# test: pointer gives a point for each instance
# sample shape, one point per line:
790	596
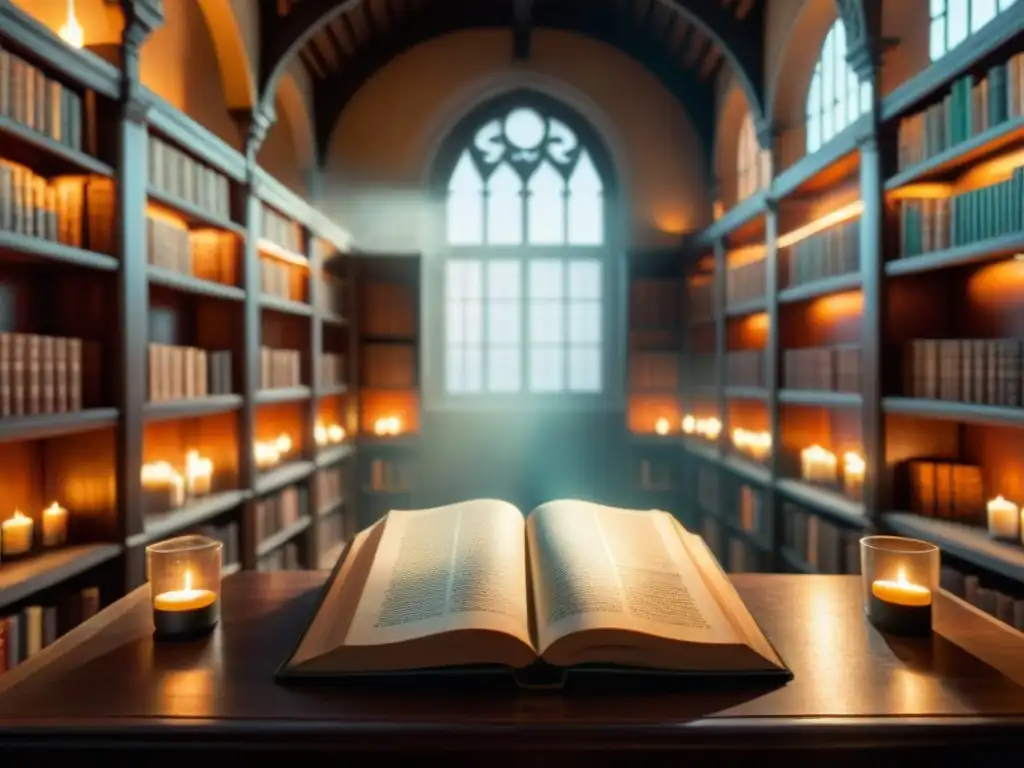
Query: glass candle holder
900	579
184	579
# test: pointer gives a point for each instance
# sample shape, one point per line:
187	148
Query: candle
320	434
688	425
335	433
709	428
162	480
1004	518
661	426
266	455
901	592
283	444
853	474
198	474
390	425
55	525
757	445
900	606
184	599
16	533
817	465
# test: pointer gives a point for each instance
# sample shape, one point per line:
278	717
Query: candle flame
71	32
188	581
901	578
18	515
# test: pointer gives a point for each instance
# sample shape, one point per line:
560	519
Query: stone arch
733	109
294	105
233	58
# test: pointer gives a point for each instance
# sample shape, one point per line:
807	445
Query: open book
579	585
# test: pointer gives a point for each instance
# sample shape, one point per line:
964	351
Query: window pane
546	279
957	22
982	12
473	377
813	133
585	322
503	279
503	369
503	321
455	373
852	95
547	206
585	279
546	322
866	95
937	7
546	369
465	210
473	322
586	204
504	207
454	326
814	93
463	279
585	369
937	42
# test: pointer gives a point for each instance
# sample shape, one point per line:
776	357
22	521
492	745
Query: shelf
194	285
383	441
747	469
329	318
744	308
284	475
704	449
960	156
837	159
195	512
38	249
230	570
747	393
330	508
14	428
817	288
285	306
967	543
275	251
327	456
334	390
992	249
44	155
192	408
832	504
282	537
195	216
746	209
968	413
282	395
653	439
329	559
823	399
20	579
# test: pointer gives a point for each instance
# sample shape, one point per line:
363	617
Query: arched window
748	161
952	21
836	97
525	256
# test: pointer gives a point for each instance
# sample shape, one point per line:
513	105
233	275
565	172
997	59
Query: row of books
283	280
391	475
330	298
745	283
745	368
286	558
708	488
281	231
701	295
330	486
228	535
183	373
819	543
276	512
26	633
750	513
72	210
209	254
333	532
388	366
983	371
330	369
971	107
830	369
1009	609
178	174
948	490
280	368
832	252
656	473
390	311
653	372
47	374
40	103
654	304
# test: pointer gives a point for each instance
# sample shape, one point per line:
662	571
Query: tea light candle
55	525
336	433
184	575
688	425
266	455
320	434
901	607
390	425
1004	519
853	474
283	444
16	535
160	479
661	426
818	465
198	474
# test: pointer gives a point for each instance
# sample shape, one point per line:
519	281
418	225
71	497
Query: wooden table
106	685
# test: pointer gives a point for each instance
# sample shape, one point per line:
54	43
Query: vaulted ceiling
684	43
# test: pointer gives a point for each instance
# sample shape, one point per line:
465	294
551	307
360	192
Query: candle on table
55	525
1004	519
16	535
184	576
661	426
901	607
818	465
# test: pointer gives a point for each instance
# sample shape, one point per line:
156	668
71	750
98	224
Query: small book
577	587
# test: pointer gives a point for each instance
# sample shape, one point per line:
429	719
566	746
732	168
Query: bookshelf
892	285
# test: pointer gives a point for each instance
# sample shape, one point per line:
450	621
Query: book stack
285	558
228	536
1009	609
946	490
280	231
330	370
818	543
745	368
331	296
330	487
214	256
72	210
829	253
276	279
979	214
30	98
745	283
183	373
276	512
653	372
982	371
27	632
47	374
653	305
969	108
391	475
702	300
829	369
280	368
177	174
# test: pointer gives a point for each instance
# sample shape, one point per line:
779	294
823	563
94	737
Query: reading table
856	694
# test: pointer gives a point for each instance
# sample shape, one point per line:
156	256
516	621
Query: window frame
749	163
940	16
834	94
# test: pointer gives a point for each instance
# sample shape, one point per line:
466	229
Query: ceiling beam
522	26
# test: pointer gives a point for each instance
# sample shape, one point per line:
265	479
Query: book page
598	567
436	570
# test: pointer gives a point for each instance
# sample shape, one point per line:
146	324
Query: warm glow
847	212
757	445
688	424
853	465
268	248
709	428
838	306
266	454
167	217
198	473
670	222
717	210
740	257
188	581
387	425
818	465
336	433
327	435
933	191
16	534
902	591
320	434
283	444
990	172
661	426
1003	518
55	525
71	32
997	283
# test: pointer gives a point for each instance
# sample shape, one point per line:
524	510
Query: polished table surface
107	684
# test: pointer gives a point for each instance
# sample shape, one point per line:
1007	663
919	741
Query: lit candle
283	444
1004	519
320	434
16	533
853	474
710	428
661	426
55	525
266	454
198	474
901	607
688	425
335	433
818	465
184	599
901	592
161	479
